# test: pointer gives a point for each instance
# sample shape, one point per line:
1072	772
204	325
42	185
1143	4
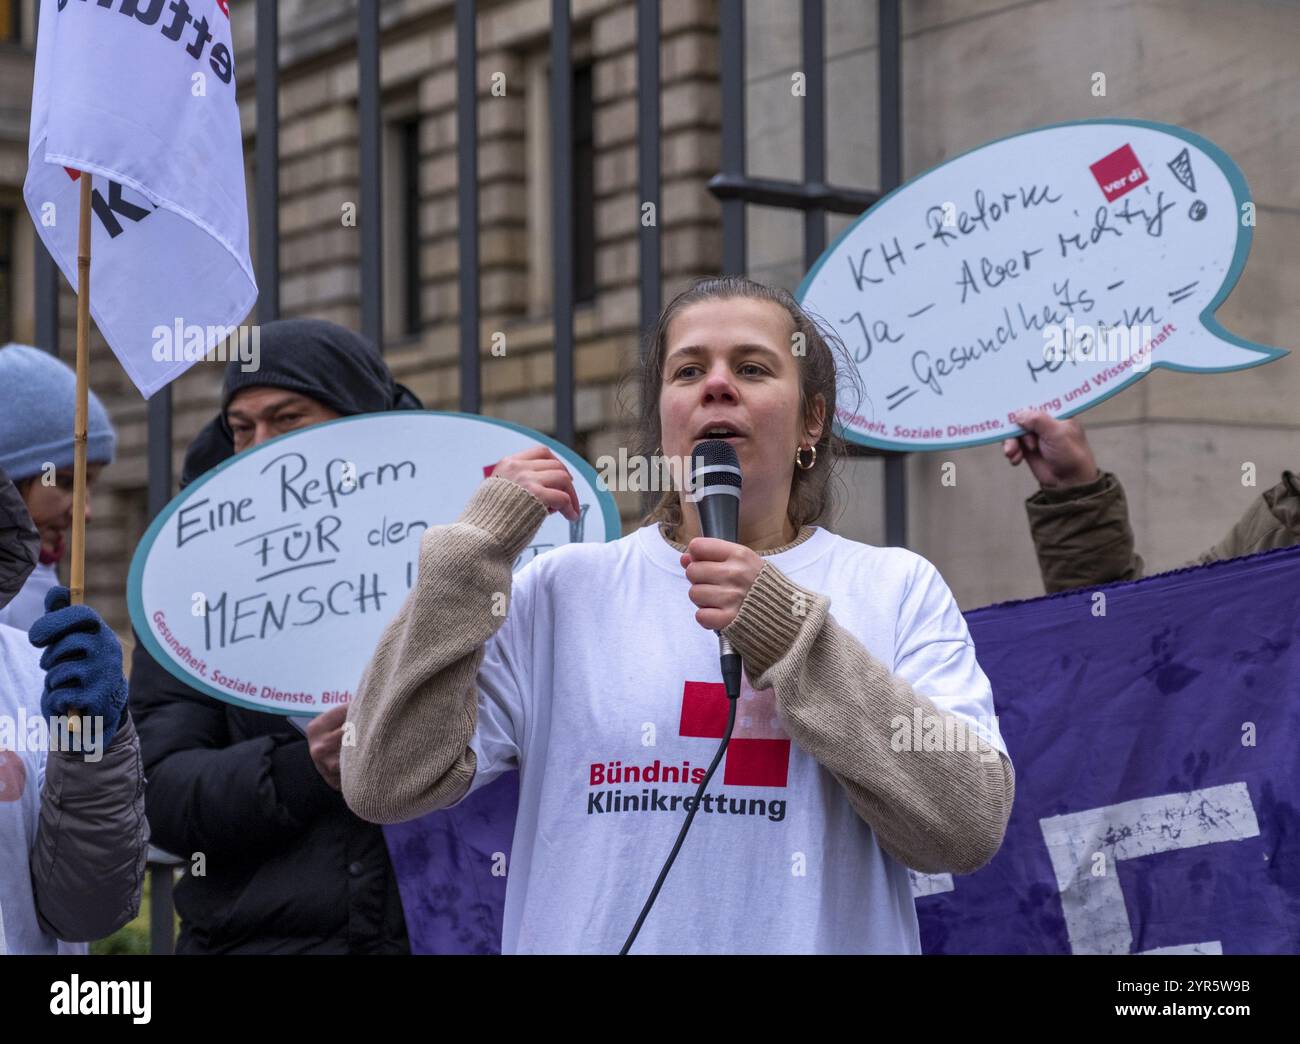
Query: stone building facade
973	70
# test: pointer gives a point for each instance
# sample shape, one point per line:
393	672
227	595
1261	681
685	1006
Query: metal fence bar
648	166
649	178
162	921
46	278
47	300
562	216
774	192
370	144
267	158
814	125
732	44
889	33
471	396
160	450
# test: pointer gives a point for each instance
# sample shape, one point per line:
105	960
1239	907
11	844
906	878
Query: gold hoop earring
798	458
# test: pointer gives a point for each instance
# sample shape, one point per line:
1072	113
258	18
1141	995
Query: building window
582	187
403	314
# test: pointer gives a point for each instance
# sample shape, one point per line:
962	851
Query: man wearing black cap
277	861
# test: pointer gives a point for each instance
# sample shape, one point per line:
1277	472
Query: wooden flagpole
77	586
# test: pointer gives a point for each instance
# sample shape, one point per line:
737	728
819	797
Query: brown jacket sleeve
92	840
416	707
1271	521
1082	535
940	811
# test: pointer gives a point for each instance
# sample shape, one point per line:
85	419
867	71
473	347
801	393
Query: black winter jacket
286	866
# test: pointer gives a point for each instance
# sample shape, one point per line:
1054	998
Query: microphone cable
719	508
681	836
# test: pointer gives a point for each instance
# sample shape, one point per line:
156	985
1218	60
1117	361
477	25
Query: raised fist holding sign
1056	451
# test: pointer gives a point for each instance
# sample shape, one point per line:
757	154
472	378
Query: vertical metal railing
562	216
46	273
370	142
814	126
890	36
160	450
162	910
267	159
47	300
648	172
471	394
735	254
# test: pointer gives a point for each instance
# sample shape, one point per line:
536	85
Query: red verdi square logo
1118	173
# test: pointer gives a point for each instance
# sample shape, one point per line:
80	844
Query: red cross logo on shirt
759	752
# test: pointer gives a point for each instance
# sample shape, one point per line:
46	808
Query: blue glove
82	662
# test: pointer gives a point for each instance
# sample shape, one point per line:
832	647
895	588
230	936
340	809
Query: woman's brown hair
822	362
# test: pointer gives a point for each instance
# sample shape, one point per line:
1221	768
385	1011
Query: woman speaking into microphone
864	740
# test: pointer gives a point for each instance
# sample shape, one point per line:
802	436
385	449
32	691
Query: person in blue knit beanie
38	396
73	833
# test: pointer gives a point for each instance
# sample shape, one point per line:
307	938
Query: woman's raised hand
543	474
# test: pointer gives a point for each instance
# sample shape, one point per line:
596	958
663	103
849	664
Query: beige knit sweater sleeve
405	747
942	811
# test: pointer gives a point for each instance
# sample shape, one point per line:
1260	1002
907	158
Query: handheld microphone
715	489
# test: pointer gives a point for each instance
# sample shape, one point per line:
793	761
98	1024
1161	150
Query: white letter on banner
929	884
1095	916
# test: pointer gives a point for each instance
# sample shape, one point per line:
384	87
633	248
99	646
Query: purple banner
450	869
1154	727
1155	730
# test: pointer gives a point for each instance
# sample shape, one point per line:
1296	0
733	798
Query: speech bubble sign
268	582
1049	269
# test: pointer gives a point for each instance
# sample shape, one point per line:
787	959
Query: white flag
141	93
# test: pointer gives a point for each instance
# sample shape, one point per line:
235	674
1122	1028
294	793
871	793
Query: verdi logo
1118	172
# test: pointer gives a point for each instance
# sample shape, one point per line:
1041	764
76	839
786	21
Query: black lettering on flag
116	204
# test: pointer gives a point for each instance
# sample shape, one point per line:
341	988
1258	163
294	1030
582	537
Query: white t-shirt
28	605
606	693
22	777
